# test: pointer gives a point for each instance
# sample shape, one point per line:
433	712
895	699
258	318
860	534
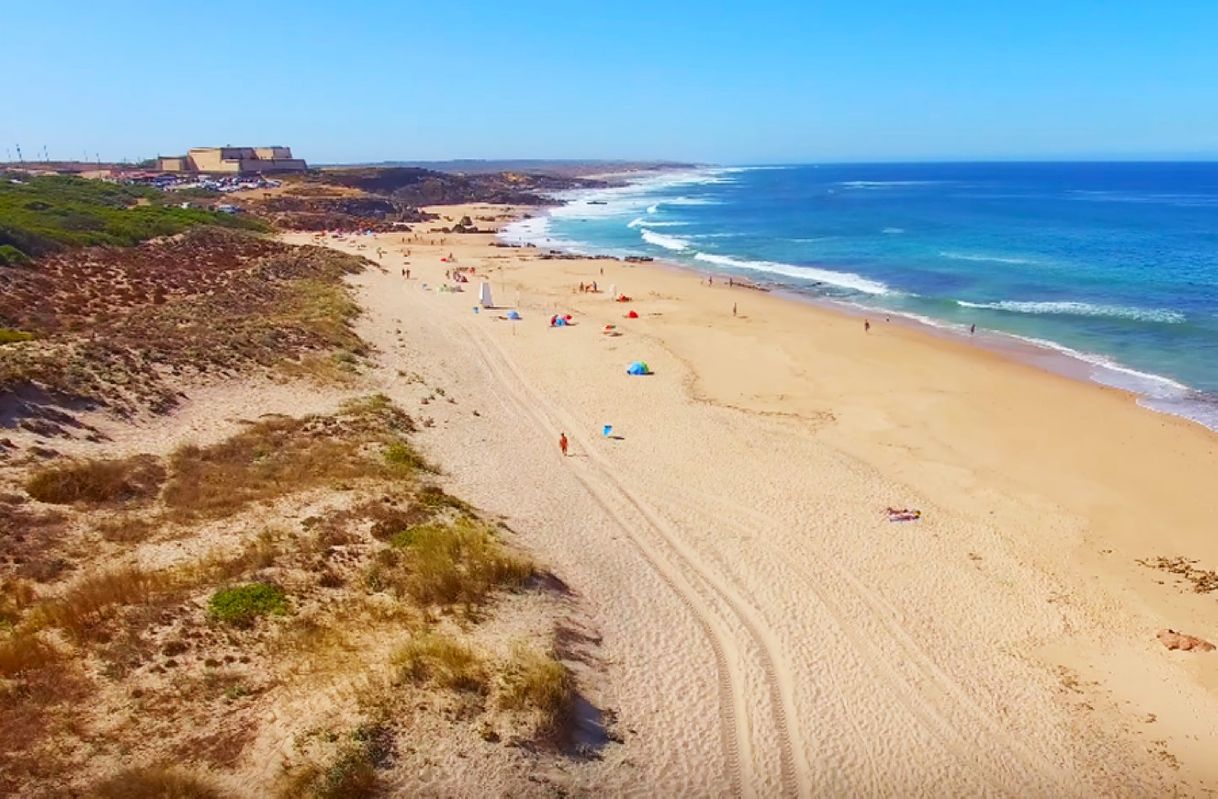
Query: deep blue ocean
1113	266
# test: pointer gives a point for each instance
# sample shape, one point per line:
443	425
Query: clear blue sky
740	82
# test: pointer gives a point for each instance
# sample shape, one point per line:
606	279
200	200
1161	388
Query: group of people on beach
588	287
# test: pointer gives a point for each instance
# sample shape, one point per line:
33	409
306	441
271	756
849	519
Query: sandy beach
767	629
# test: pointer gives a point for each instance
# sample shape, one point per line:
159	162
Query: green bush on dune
39	215
240	606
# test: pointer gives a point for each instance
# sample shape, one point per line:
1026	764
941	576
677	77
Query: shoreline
1196	406
757	463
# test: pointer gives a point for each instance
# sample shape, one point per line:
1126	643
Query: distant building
233	161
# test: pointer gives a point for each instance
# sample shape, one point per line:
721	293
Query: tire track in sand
690	582
929	693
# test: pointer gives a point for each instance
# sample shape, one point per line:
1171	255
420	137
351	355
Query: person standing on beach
733	309
866	325
562	443
972	329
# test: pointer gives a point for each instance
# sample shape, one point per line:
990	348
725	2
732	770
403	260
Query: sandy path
768	631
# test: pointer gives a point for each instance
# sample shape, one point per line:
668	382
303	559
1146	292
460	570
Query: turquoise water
1112	265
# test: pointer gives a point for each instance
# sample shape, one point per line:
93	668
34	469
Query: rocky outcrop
1187	643
416	186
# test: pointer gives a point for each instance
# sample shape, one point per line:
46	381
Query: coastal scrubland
284	603
44	214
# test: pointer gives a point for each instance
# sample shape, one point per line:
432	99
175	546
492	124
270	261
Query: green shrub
11	256
402	456
352	772
242	605
47	213
8	335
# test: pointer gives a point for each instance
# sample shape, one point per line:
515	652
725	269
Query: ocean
1103	270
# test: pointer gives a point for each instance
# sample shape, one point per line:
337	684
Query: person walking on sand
562	443
733	309
408	274
866	325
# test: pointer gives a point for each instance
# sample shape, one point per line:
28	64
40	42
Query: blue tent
638	368
560	322
514	315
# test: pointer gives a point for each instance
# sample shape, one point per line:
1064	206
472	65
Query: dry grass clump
352	773
15	597
443	661
125	529
154	782
97	482
457	563
84	611
280	456
25	652
540	685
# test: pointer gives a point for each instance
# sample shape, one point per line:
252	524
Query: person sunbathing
903	514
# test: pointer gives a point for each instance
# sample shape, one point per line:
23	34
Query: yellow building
233	161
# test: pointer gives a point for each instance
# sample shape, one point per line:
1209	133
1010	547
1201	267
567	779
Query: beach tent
560	321
514	316
484	295
638	368
632	315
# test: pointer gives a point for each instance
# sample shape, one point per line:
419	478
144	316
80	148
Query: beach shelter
514	316
484	295
632	315
638	368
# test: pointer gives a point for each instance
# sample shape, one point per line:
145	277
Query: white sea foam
675	243
892	231
651	209
999	259
1063	308
642	221
526	231
885	184
846	280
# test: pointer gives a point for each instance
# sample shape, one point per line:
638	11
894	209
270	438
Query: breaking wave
1080	309
845	280
642	221
675	243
